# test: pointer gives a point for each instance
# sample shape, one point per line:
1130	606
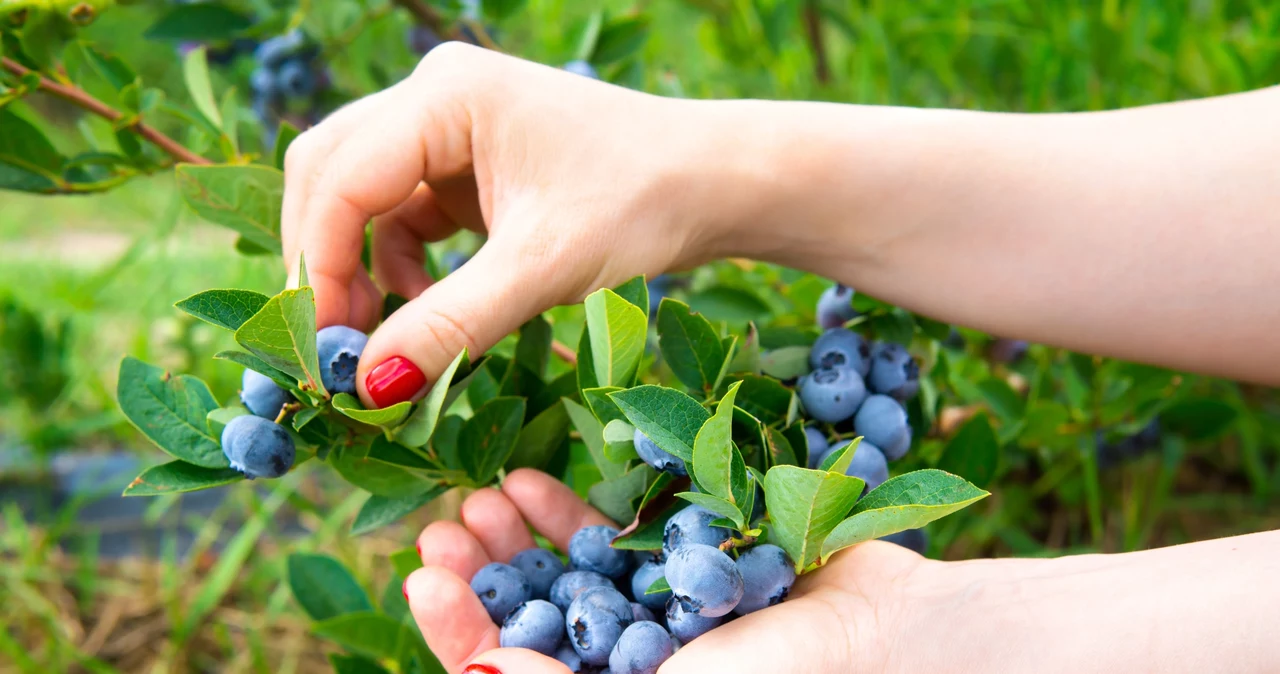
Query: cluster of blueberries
596	614
254	443
287	71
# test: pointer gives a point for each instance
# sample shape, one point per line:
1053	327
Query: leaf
354	664
1199	418
765	398
368	633
533	349
586	363
619	441
668	417
746	357
286	133
195	71
244	198
659	503
904	502
218	419
615	497
714	463
28	161
540	438
724	303
385	418
171	411
658	586
417	430
1004	401
256	364
789	362
690	345
716	505
617	331
489	437
635	291
198	22
354	463
602	405
179	476
406	561
839	460
592	432
323	586
972	452
799	442
620	39
227	309
379	511
283	335
804	506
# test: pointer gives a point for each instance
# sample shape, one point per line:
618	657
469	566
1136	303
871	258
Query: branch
813	25
83	100
427	16
564	353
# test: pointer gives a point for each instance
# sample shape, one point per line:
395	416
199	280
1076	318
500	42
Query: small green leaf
489	437
617	331
283	335
286	132
635	291
171	411
384	418
406	561
804	506
725	303
668	417
713	452
586	363
972	452
244	198
227	309
195	70
716	505
620	39
1004	401
354	664
1199	418
368	633
658	586
28	161
252	362
619	441
417	430
904	502
602	405
218	419
789	362
198	22
616	497
304	417
690	345
592	432
765	398
179	476
354	463
782	451
323	586
533	349
746	357
379	511
839	460
589	36
540	438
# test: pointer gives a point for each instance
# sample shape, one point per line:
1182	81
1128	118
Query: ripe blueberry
640	612
838	346
594	622
656	456
767	576
453	260
882	421
536	625
1007	351
911	539
541	567
501	588
645	575
263	83
835	307
818	445
868	464
693	525
573	583
893	372
832	394
590	550
686	625
569	657
704	580
580	67
339	348
262	396
274	51
641	649
296	79
257	447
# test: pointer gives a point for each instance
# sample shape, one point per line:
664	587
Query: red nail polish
394	380
418	544
481	669
404	589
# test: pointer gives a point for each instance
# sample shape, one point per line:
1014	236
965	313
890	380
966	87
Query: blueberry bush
740	422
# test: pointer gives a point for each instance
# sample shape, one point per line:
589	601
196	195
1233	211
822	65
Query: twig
429	17
83	100
813	25
564	353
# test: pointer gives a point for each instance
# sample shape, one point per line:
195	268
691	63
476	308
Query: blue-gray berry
339	348
580	67
296	79
693	525
536	625
567	587
641	612
835	306
262	396
541	567
595	621
656	456
590	549
641	649
704	580
501	588
832	394
868	464
767	577
839	346
645	575
818	445
911	539
686	625
257	447
893	372
569	657
882	421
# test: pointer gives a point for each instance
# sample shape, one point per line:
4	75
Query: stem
813	26
429	17
564	353
83	100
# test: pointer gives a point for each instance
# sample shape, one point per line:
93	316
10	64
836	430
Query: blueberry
263	83
422	39
453	261
646	574
501	588
573	583
339	348
893	372
687	626
594	622
590	550
868	464
262	396
835	307
659	287
817	445
274	51
882	421
640	612
541	567
257	447
693	525
569	657
656	456
833	394
536	625
296	79
911	539
704	580
1007	351
580	67
767	576
641	649
838	346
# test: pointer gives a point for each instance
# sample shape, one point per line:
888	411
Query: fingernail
404	589
418	544
481	669
394	380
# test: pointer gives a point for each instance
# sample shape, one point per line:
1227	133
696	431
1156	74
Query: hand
577	184
843	618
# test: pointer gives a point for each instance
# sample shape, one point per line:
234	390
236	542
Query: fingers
453	621
794	636
549	506
496	524
449	545
516	661
398	255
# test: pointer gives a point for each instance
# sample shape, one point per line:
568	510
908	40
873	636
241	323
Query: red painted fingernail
404	589
418	544
394	380
481	669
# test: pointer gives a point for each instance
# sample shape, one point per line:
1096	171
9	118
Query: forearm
1148	233
1199	607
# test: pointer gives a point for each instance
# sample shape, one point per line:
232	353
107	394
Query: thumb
483	301
515	661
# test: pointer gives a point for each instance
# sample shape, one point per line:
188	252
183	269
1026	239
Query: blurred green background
84	280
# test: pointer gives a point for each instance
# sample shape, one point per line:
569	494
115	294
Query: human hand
843	617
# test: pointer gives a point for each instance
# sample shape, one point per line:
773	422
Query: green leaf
789	362
195	70
283	335
368	633
658	586
839	460
304	417
714	463
972	452
804	506
379	511
635	291
619	441
592	432
782	451
488	438
746	356
252	362
690	345
286	132
385	418
353	664
417	430
589	36
668	417
616	497
724	303
1004	401
179	476
218	419
171	411
540	438
244	198
904	502
602	405
198	22
799	443
716	505
227	309
533	349
620	39
586	363
617	331
354	463
1199	418
323	586
765	398
28	161
406	561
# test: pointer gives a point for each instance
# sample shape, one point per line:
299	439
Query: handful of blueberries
597	614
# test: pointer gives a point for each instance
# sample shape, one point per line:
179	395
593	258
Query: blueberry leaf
839	460
619	441
586	363
252	362
713	452
323	586
635	291
379	511
195	71
658	586
243	198
368	633
782	451
540	438
385	418
283	335
592	432
488	438
417	429
616	497
171	411
716	505
804	506
227	309
179	476
656	507
765	398
354	664
369	471
972	452
405	561
787	362
218	419
904	502
617	330
690	345
533	348
602	405
746	356
670	418
730	345
198	23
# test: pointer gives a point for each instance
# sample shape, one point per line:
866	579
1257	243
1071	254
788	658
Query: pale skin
1149	234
